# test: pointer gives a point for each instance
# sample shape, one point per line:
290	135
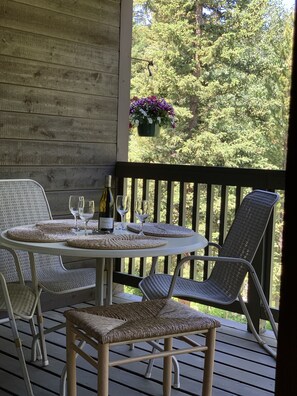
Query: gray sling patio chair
22	202
233	263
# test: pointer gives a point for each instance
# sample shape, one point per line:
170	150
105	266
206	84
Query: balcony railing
204	199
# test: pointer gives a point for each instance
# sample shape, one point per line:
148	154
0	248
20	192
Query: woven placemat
118	242
49	231
36	234
161	230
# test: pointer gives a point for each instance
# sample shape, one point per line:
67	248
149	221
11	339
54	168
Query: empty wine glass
86	210
141	212
73	207
122	205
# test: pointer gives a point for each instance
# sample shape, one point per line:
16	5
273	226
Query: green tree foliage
225	67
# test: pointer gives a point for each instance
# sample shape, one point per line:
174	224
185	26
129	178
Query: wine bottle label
106	223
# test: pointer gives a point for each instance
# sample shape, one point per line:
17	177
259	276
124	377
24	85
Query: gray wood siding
59	87
59	77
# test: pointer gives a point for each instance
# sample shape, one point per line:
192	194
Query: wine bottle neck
108	181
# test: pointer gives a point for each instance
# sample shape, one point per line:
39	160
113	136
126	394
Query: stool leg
167	371
103	369
209	362
70	360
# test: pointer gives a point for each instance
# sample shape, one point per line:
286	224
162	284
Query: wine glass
141	212
73	207
86	210
122	205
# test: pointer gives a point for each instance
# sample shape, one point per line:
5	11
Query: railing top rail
256	178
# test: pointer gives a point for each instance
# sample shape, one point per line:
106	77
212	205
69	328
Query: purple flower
151	110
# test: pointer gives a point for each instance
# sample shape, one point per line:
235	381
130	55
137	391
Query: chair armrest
2	279
244	262
216	245
16	262
3	287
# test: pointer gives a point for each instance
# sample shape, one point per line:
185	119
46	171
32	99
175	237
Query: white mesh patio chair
233	263
23	202
18	301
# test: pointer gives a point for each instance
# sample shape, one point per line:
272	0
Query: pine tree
225	67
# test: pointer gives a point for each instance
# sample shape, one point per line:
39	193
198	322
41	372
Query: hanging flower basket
149	114
149	130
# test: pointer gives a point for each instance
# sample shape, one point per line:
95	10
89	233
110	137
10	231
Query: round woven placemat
35	234
49	230
161	230
119	242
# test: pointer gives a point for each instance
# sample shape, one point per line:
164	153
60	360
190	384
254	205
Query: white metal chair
233	263
23	202
19	301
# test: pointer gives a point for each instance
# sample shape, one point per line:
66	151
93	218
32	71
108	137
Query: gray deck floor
241	366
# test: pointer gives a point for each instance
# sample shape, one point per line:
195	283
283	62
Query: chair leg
36	351
167	370
103	369
149	369
21	357
209	362
36	338
63	382
253	330
148	373
150	366
41	334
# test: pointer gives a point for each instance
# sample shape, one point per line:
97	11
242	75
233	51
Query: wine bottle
106	208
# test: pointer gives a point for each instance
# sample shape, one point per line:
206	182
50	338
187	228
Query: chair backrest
243	239
22	202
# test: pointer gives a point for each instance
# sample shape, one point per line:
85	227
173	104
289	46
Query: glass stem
75	217
141	230
86	224
122	220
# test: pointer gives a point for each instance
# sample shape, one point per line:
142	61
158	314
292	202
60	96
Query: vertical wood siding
59	94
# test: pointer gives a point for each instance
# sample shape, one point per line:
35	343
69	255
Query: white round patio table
173	246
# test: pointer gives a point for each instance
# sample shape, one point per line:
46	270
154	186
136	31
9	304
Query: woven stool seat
103	327
148	319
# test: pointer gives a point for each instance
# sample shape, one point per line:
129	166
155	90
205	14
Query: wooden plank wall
59	94
59	73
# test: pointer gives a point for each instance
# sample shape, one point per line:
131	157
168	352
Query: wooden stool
103	327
